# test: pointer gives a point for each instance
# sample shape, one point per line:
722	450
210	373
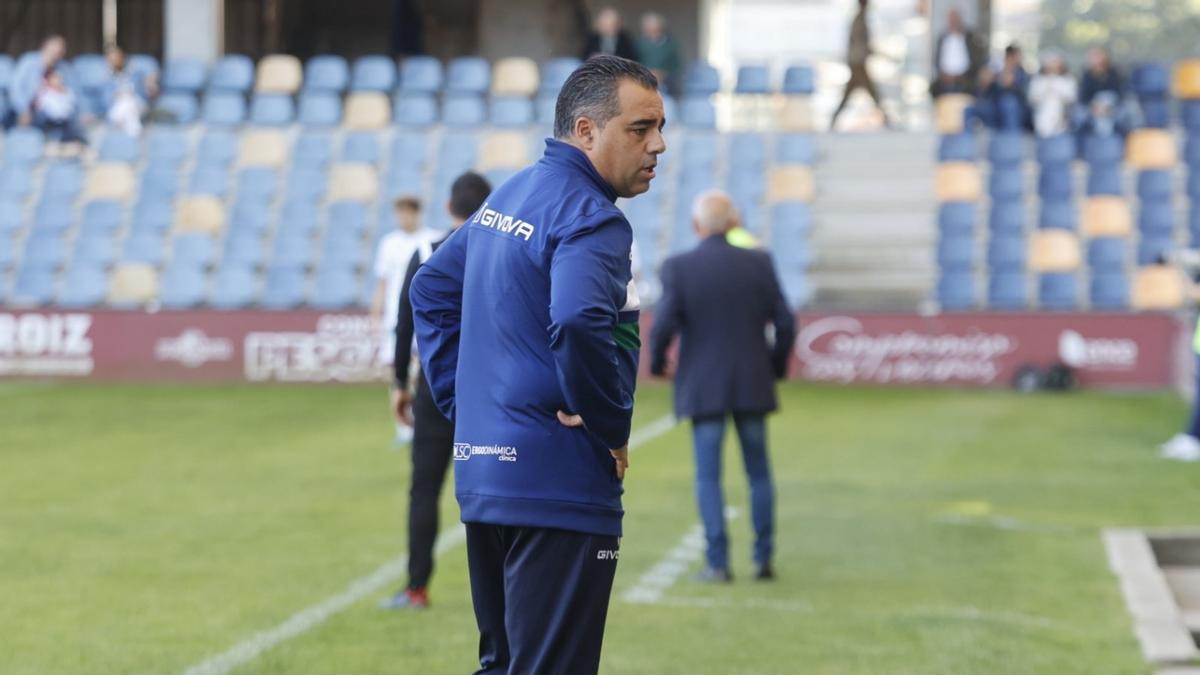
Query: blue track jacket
526	310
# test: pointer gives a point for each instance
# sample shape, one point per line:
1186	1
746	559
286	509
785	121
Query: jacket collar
570	158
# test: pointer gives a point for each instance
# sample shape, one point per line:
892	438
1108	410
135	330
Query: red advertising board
972	350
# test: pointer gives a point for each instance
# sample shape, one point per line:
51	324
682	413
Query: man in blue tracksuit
526	323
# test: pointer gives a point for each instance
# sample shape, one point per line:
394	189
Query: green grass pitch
144	529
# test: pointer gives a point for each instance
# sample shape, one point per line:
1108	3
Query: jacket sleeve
668	320
436	297
404	325
784	322
595	352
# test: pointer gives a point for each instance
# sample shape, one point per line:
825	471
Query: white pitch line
310	617
655	581
741	603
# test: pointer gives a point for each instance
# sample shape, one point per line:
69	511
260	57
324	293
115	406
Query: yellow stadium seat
1106	216
1054	251
279	74
355	182
109	181
795	115
790	184
1187	79
1150	149
504	150
515	76
200	213
263	147
958	182
367	110
1158	287
133	284
949	114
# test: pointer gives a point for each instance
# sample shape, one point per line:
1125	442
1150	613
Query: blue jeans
1194	424
707	434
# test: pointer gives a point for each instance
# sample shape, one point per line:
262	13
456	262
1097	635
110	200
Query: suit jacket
719	299
625	47
425	411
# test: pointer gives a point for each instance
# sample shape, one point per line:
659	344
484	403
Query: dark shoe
765	572
713	575
409	598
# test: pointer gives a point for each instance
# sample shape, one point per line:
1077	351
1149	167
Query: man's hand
402	406
620	456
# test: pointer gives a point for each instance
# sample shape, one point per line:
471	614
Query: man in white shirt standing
958	57
396	248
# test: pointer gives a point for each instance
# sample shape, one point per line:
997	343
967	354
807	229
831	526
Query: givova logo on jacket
465	451
502	222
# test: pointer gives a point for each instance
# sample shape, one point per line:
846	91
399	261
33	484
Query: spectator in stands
857	51
608	37
1002	103
957	58
126	95
391	261
1052	93
717	298
658	52
30	75
55	111
433	434
1101	92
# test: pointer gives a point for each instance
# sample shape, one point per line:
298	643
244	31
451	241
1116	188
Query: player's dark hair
467	194
591	91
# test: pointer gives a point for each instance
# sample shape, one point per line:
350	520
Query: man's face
116	58
608	22
54	50
406	218
625	151
652	27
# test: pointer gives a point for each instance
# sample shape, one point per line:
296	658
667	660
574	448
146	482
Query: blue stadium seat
458	150
184	74
1107	253
1006	148
956	219
1154	184
217	147
319	109
1103	150
284	288
958	148
53	214
243	249
511	112
101	216
544	111
22	145
1155	112
1189	115
224	109
313	149
257	183
1058	291
209	180
1058	149
409	150
306	185
159	182
177	107
748	188
119	147
373	73
63	179
1156	218
468	75
1109	291
33	286
233	73
791	218
463	110
334	288
291	249
182	286
799	80
956	253
44	249
956	290
326	73
235	287
361	146
141	65
670	109
144	247
401	180
193	250
415	111
152	215
272	110
699	151
554	72
1058	215
249	217
1152	250
1006	253
346	219
795	149
1150	79
1193	184
1006	183
83	285
297	219
1007	290
12	214
701	79
699	113
166	144
16	182
341	251
420	75
753	79
1193	225
94	250
1055	182
1105	179
7	65
747	152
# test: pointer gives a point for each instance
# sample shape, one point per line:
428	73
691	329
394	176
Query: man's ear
585	132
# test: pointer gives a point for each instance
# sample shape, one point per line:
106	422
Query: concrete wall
194	28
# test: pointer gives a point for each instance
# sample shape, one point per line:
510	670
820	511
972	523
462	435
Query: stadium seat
53	214
167	145
1150	149
1058	291
795	149
956	218
100	216
83	286
1155	113
217	148
503	150
182	287
119	147
272	110
957	148
1055	182
305	184
1006	253
956	252
748	152
193	250
145	248
313	149
319	109
1150	79
1193	185
701	79
1189	115
1156	219
544	111
297	219
1106	216
342	251
699	113
1187	79
141	65
950	113
278	74
132	284
223	109
468	75
554	73
32	287
22	145
7	65
209	180
159	182
515	76
326	73
957	182
1154	185
356	182
790	183
366	111
249	216
12	214
1105	179
956	290
798	80
1053	251
200	213
44	249
152	215
752	79
257	183
463	110
1058	215
233	73
1158	287
62	180
1154	249
109	181
511	112
1107	253
1006	183
184	74
1060	149
347	219
16	182
420	75
1007	291
1103	149
458	150
403	180
235	287
284	288
415	111
792	218
699	151
361	146
177	107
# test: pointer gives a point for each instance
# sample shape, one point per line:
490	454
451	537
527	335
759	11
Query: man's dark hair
467	194
591	91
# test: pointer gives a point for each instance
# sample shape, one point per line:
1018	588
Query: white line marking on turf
655	581
970	613
741	603
310	617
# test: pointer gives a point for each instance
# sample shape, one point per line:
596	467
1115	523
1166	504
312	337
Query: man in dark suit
719	299
608	37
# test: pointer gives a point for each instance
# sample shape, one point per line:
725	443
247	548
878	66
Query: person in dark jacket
858	49
433	434
526	325
958	57
719	298
609	37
